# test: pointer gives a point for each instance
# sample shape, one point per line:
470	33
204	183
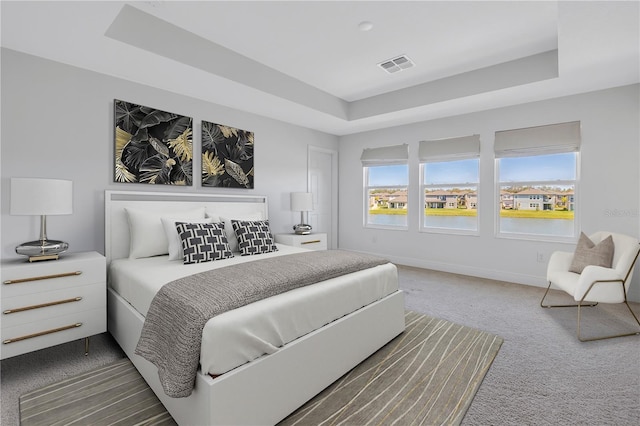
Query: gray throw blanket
172	331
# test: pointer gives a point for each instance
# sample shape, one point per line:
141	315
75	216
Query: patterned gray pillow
254	237
203	242
587	253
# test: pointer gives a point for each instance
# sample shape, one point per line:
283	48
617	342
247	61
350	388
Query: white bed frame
268	389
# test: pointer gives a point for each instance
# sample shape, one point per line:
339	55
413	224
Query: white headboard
116	224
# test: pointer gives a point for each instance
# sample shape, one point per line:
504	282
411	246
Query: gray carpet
542	375
34	370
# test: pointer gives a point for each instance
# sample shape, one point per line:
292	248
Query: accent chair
599	271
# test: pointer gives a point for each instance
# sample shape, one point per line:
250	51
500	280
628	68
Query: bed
252	378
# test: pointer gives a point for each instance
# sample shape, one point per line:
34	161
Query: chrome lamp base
302	229
42	249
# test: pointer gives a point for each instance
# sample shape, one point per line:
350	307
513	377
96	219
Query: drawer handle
42	305
310	242
43	277
42	333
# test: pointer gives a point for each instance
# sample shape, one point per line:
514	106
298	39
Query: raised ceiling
309	64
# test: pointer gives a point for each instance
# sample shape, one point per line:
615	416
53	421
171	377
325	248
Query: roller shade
550	139
449	149
385	155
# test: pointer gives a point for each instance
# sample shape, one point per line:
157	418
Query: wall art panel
152	146
227	156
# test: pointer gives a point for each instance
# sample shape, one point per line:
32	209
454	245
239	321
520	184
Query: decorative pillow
171	232
254	237
587	253
228	228
147	236
203	242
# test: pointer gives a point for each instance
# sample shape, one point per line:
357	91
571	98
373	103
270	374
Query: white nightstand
309	241
51	302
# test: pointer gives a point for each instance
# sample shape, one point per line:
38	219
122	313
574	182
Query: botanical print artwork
152	146
227	156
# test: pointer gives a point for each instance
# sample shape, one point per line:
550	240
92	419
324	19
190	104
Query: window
386	177
537	173
449	170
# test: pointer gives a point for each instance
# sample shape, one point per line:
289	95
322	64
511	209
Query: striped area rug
115	394
428	375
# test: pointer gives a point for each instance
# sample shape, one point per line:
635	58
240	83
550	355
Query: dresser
310	241
50	302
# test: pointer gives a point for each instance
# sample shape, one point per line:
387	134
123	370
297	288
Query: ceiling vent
396	64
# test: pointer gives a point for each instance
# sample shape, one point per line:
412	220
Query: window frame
447	150
540	140
367	188
423	187
533	183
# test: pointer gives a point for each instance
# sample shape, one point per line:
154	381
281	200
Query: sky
461	171
534	168
539	168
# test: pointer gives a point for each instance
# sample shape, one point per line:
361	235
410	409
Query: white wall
609	186
57	122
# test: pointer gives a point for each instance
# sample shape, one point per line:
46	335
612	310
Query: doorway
322	182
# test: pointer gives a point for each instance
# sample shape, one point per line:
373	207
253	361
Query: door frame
334	188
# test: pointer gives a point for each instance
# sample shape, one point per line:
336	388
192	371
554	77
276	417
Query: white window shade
550	139
386	155
449	149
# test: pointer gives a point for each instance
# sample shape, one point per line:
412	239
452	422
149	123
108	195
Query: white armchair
596	283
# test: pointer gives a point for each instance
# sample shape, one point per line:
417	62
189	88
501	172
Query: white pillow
228	228
170	231
147	236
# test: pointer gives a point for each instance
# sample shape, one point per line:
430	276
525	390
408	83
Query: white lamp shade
301	201
32	196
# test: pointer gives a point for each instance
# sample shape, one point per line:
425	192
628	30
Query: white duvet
244	334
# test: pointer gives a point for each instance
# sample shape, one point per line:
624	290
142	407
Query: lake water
558	227
388	219
465	223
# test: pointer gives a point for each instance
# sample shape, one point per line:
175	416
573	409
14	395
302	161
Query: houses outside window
537	173
386	178
449	178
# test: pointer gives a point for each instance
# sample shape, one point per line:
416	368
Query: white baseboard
532	280
492	274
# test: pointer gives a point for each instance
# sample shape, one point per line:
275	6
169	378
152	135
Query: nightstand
51	302
309	241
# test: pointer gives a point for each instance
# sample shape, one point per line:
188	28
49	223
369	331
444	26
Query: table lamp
301	202
32	196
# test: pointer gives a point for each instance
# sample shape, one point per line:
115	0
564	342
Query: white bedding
244	334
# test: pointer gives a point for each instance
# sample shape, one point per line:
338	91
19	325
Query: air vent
396	64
